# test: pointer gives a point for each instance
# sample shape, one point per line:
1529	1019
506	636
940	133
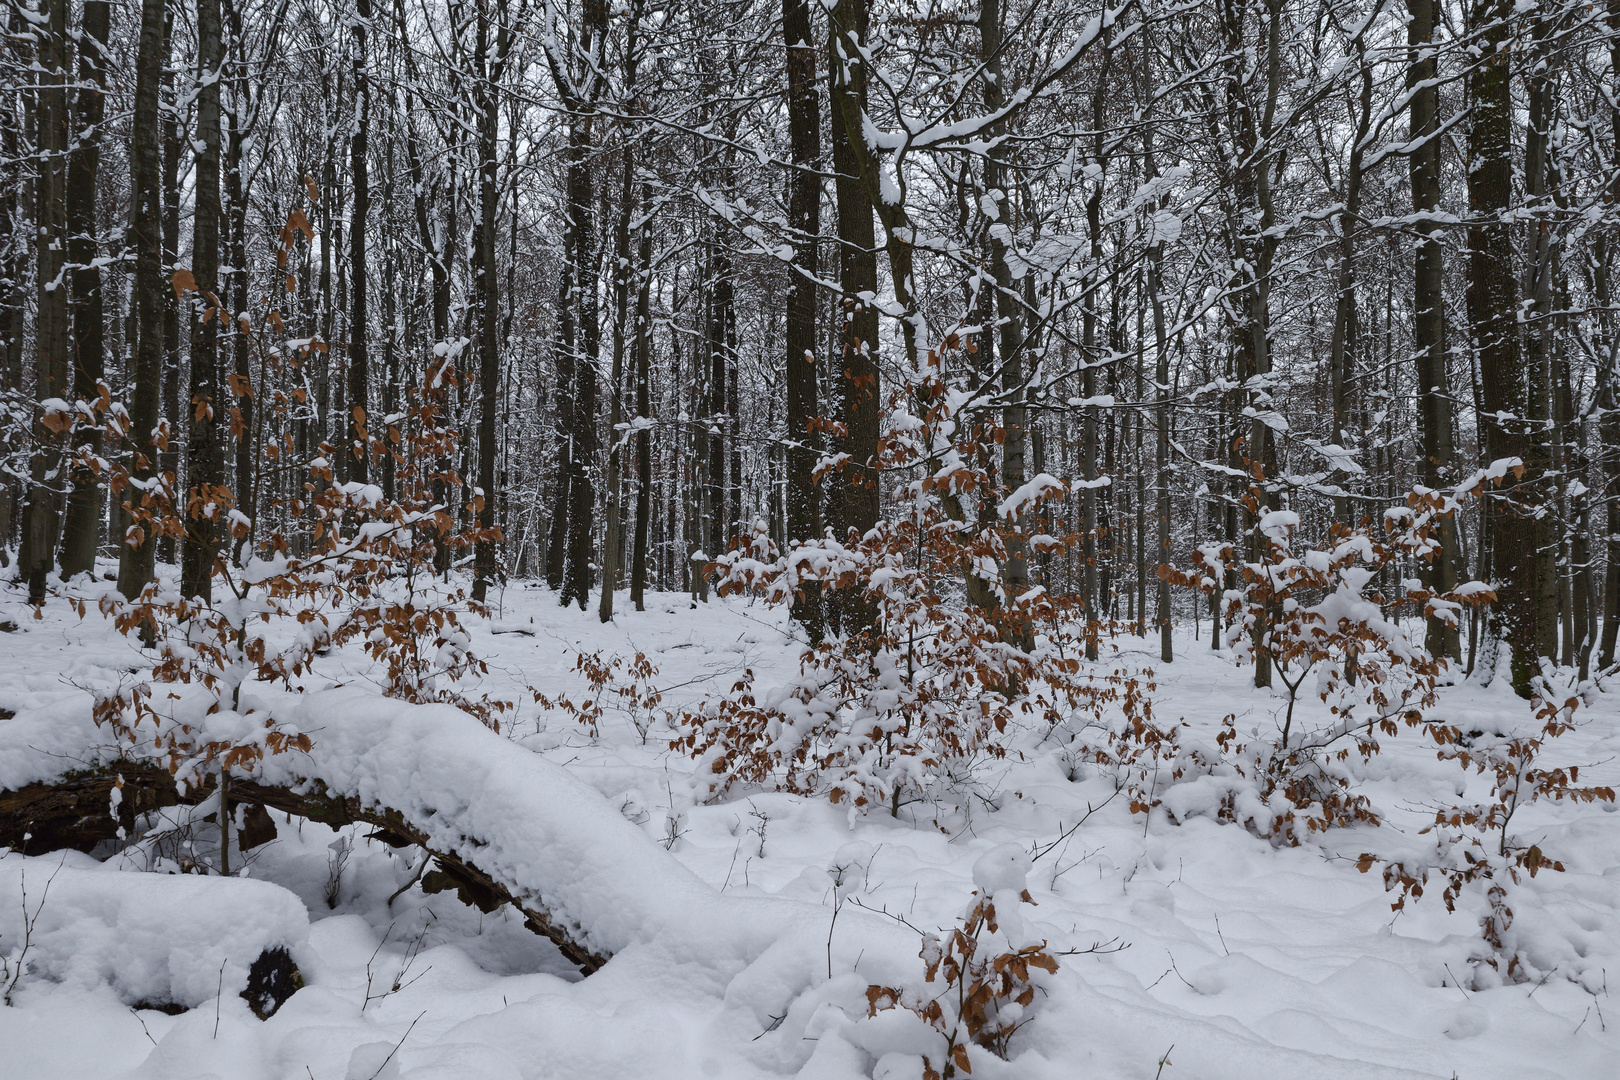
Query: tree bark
205	480
1492	313
82	528
356	425
41	520
643	360
799	365
488	300
136	559
169	459
857	385
1428	331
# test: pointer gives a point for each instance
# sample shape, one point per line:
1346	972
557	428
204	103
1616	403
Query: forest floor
1229	958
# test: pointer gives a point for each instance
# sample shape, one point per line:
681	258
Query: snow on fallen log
554	842
157	939
503	821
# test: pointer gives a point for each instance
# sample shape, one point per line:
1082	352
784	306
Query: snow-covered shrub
350	564
632	683
919	702
982	978
1311	611
1472	844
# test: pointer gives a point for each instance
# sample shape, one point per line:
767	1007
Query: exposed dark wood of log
77	812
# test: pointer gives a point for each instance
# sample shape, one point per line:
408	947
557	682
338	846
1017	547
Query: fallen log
78	812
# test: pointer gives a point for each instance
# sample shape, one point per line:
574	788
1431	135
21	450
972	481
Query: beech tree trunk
137	553
799	365
41	519
82	527
857	380
205	468
169	459
1492	315
355	424
1428	331
643	360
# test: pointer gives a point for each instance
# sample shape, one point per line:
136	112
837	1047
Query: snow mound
155	938
546	835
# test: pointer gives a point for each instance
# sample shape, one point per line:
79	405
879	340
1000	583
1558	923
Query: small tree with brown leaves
923	700
1313	611
1473	846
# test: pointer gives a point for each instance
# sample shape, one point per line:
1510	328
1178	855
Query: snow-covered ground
1230	957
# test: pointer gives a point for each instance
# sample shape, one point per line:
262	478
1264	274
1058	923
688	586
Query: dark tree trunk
857	378
236	277
205	470
1428	330
1492	314
82	527
355	424
488	301
1009	317
582	416
13	268
135	562
41	519
612	534
804	218
643	358
169	459
1608	393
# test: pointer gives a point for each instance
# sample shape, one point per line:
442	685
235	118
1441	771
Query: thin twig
397	1045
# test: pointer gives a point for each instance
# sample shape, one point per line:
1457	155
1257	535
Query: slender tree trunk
1009	316
1540	273
582	436
1608	372
857	383
236	277
1492	312
41	520
1346	327
1428	329
206	493
13	267
621	313
804	218
82	527
169	460
355	424
488	301
135	559
643	359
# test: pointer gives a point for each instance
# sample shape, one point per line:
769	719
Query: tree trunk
1009	316
135	560
857	384
1492	313
169	459
355	424
621	313
82	527
40	516
804	219
643	359
1608	393
1428	331
205	480
13	268
1540	271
